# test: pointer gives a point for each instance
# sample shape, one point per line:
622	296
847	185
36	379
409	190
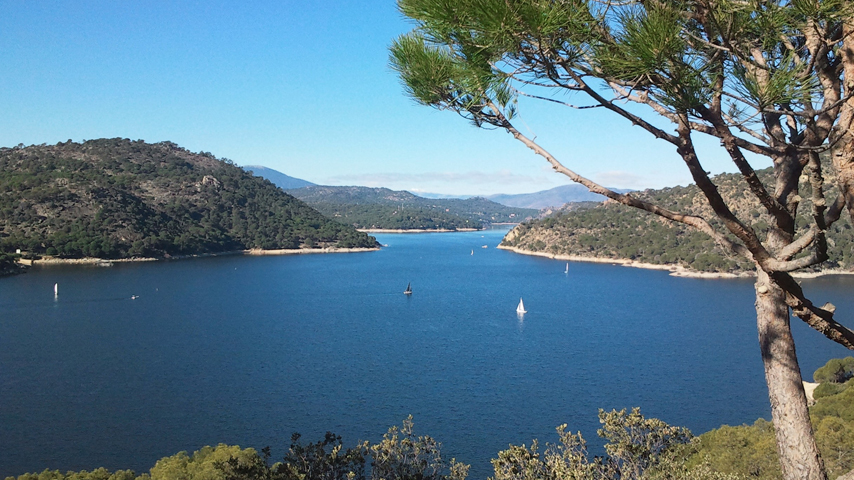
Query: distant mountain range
553	197
278	178
381	208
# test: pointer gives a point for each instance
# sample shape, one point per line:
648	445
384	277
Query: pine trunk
843	151
799	456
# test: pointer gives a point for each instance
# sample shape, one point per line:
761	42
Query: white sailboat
408	290
55	289
567	268
521	307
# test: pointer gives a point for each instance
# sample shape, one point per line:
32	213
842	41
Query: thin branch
742	126
547	99
742	143
636	120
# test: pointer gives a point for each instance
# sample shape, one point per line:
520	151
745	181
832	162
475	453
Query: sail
521	307
408	290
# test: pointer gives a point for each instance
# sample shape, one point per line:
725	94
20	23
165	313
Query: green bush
827	389
746	449
837	370
636	446
204	464
97	474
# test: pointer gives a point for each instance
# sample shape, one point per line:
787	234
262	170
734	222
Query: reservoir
247	350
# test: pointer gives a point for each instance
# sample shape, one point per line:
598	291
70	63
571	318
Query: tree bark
799	456
843	151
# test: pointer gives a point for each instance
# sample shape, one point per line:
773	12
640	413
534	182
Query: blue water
247	350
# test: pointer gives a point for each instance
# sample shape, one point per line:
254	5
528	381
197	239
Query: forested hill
366	207
616	231
116	198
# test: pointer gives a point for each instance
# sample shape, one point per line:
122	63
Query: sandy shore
823	273
415	230
809	388
85	261
302	251
107	262
675	270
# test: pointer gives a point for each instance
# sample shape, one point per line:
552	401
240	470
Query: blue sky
301	87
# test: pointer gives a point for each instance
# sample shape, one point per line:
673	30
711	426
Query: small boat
472	252
485	246
408	290
55	289
567	268
134	297
521	307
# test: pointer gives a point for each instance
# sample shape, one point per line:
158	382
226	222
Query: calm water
247	350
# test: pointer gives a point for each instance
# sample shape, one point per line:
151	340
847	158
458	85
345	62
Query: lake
246	350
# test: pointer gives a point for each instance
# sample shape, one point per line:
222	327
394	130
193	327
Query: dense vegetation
381	208
636	448
751	449
117	198
611	230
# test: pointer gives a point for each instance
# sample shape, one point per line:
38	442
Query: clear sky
300	87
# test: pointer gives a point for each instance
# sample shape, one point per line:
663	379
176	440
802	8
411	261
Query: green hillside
381	208
117	198
616	231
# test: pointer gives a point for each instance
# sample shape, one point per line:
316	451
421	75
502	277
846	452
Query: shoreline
675	270
416	230
252	252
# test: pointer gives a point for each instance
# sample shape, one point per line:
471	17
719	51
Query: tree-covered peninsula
381	208
611	231
117	198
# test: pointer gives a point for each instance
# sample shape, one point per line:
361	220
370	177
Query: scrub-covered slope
117	198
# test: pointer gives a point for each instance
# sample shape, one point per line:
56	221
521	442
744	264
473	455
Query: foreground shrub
97	474
402	456
747	449
203	464
828	389
837	370
636	445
